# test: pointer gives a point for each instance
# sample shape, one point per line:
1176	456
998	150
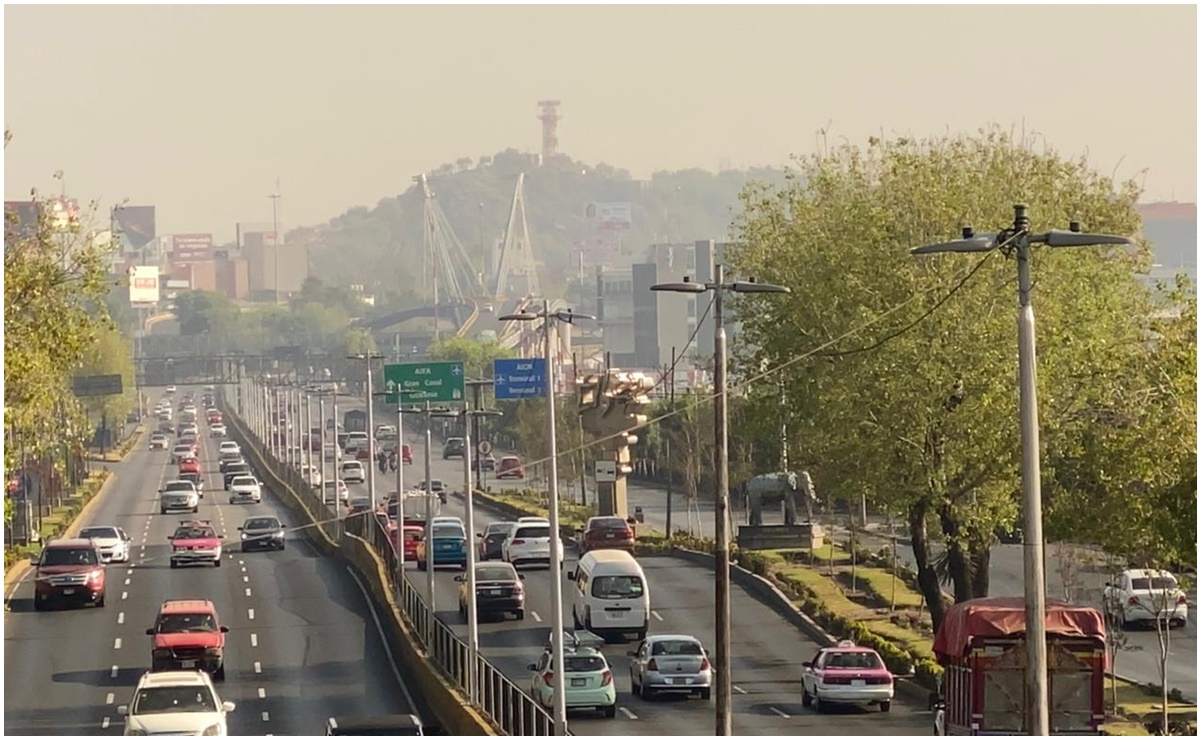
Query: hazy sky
198	109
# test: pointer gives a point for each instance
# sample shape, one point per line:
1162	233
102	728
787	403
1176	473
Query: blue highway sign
514	380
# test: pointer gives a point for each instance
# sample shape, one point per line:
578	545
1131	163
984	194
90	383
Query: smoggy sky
198	110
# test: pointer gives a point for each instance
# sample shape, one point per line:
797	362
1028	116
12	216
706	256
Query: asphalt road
767	650
302	644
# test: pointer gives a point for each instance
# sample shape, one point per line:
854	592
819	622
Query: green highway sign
438	382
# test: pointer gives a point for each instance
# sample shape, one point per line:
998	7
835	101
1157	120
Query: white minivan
611	594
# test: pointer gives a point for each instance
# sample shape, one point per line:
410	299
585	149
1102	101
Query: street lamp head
570	316
751	286
520	316
971	242
1075	238
687	286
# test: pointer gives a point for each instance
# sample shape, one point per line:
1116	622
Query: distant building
1172	230
289	264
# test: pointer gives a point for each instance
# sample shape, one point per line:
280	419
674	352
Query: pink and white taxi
846	674
195	542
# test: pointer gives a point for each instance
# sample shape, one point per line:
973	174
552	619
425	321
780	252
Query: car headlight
213	651
212	730
161	653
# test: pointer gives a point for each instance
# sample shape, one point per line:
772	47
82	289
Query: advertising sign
135	224
610	216
187	248
143	284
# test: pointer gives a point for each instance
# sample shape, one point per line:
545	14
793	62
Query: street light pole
1018	241
367	357
275	243
556	543
721	461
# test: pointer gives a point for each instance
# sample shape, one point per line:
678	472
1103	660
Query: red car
69	570
195	541
406	454
189	465
846	674
187	635
213	417
607	533
510	467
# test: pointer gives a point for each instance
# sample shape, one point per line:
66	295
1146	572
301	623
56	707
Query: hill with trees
380	248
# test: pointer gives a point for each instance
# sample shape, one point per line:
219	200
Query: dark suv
453	448
69	570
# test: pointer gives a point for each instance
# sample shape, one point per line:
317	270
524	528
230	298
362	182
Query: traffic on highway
176	610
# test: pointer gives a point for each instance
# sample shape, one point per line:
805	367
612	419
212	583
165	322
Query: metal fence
499	699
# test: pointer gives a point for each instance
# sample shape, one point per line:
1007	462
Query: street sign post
484	447
96	385
514	380
606	471
437	382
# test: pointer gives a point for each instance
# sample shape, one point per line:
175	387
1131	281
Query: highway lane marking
113	673
534	614
104	723
245	579
254	640
262	693
780	712
380	630
655	614
121	618
117	644
627	713
247	592
258	667
124	595
243	567
126	581
129	572
108	699
250	612
266	717
240	562
739	689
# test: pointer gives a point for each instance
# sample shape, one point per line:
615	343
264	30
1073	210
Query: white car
179	495
176	703
589	683
353	472
1139	595
158	441
170	390
329	487
229	446
245	488
333	453
217	430
312	475
112	542
529	543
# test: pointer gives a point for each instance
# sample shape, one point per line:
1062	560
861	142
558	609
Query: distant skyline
198	109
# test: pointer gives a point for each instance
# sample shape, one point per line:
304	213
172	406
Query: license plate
579	682
610	536
68	591
187	664
493	592
858	682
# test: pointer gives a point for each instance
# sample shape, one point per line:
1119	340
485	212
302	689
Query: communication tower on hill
550	127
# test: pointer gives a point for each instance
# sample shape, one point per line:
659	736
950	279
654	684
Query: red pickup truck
188	635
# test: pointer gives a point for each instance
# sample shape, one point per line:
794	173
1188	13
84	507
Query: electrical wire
671	371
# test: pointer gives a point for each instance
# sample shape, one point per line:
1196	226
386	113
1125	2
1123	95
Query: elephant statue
772	488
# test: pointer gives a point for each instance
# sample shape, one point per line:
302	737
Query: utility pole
1018	241
671	391
721	462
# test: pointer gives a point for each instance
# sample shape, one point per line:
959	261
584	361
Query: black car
498	591
453	448
262	533
493	539
228	462
233	471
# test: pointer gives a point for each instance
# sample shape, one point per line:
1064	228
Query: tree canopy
899	372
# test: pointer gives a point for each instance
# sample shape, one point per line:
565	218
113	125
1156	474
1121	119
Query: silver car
179	495
670	663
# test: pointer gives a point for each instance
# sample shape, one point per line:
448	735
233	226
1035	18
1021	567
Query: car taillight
517	542
828	679
606	677
628	534
1182	599
548	677
1133	601
518	589
704	664
652	666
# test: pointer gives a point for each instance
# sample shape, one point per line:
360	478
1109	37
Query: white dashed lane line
534	614
117	644
739	689
109	698
245	579
126	581
262	693
258	667
247	592
655	614
121	618
124	595
104	723
250	613
254	640
266	717
627	713
780	712
113	673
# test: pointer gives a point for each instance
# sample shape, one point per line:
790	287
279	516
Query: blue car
450	547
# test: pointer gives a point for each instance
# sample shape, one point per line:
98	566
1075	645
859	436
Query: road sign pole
429	531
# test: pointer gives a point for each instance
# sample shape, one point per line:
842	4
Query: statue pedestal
779	536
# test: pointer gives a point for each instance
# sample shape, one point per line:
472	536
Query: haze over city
199	109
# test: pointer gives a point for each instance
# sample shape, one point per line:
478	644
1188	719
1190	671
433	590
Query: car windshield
172	623
100	533
244	480
449	531
1153	584
532	531
194	533
583	663
180	486
858	659
609	522
617	587
264	523
494	573
677	647
170	699
69	556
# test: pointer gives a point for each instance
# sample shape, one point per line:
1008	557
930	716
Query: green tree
476	356
902	373
110	354
205	312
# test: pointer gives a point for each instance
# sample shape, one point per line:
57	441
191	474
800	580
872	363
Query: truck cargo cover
1005	616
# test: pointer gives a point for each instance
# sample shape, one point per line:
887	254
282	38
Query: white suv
529	543
176	703
245	488
229	446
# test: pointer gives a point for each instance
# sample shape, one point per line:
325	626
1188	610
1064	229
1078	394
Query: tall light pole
1017	240
275	240
721	464
367	357
429	411
556	543
400	486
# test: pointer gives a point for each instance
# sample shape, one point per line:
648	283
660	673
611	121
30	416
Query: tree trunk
958	564
981	557
927	579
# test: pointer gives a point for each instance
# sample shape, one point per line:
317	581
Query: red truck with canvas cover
981	645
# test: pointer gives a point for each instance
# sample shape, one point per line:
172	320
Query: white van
611	594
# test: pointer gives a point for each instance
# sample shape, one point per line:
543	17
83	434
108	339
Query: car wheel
163	512
174	564
611	711
806	699
231	500
635	688
885	706
100	601
219	674
39	604
706	693
217	563
520	614
646	692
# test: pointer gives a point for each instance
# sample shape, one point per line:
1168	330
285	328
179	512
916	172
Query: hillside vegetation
380	248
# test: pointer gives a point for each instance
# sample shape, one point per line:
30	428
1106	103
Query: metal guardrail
509	708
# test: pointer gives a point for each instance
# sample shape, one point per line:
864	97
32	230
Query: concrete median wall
449	707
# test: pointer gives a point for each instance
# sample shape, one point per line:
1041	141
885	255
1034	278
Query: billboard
143	284
135	224
609	216
187	248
